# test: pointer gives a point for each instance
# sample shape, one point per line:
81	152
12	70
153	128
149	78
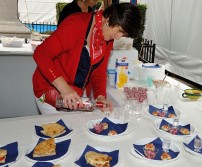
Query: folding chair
147	51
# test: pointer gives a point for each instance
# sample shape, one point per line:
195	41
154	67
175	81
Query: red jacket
59	55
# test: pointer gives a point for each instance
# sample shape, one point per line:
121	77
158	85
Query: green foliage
139	39
97	6
59	7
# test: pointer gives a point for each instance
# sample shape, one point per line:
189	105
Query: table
26	49
21	129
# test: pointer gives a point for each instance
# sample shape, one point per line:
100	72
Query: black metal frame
146	51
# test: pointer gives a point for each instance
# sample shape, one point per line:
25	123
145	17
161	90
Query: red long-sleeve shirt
59	55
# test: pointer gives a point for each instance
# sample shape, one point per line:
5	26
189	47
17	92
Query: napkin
82	162
43	164
139	149
12	152
170	110
190	145
61	149
39	128
164	122
119	128
153	65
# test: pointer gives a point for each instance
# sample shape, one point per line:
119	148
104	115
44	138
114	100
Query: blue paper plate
114	154
43	164
170	111
137	150
189	146
164	122
122	128
12	153
41	135
151	65
62	150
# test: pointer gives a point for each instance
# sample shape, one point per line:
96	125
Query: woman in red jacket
78	52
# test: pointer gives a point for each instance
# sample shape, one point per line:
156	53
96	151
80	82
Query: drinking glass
166	144
151	97
107	114
136	110
128	104
162	93
176	122
197	144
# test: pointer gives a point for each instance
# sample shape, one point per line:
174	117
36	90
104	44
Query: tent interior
174	26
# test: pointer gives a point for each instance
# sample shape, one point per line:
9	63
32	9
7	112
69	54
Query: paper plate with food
98	156
9	154
193	145
157	112
48	150
58	130
151	150
169	127
108	128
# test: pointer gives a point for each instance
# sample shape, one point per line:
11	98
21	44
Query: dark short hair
125	15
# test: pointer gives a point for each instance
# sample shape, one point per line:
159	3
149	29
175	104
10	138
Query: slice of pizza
53	129
45	148
97	159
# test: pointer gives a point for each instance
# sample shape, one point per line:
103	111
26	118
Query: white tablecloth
22	130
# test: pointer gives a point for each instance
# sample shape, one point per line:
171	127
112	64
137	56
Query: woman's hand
109	105
71	99
69	95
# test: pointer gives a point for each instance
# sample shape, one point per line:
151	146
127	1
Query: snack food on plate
173	130
150	146
3	153
155	113
149	151
112	132
165	128
185	131
159	113
171	115
97	159
161	83
53	129
99	127
166	156
105	125
45	148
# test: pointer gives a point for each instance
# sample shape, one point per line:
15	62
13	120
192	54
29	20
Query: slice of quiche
53	129
45	148
97	159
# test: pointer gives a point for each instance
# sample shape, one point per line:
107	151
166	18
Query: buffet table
22	130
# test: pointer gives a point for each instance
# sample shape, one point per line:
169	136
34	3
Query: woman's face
110	32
